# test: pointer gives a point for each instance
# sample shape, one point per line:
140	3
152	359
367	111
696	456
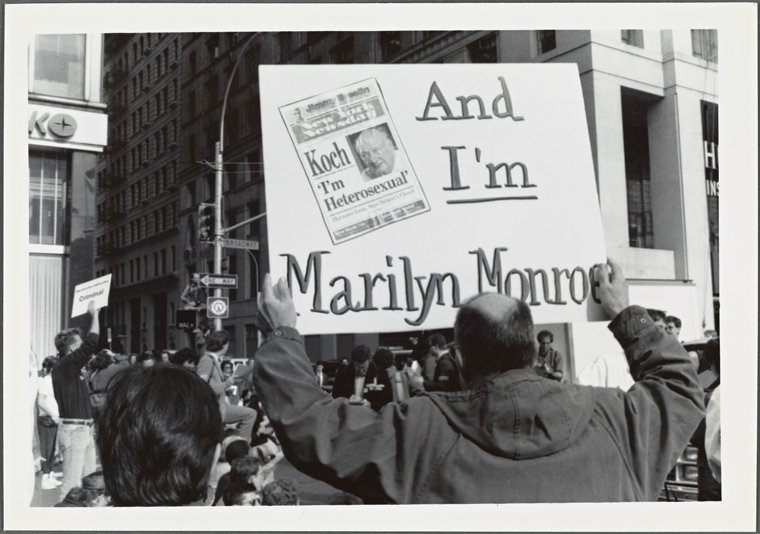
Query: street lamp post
218	163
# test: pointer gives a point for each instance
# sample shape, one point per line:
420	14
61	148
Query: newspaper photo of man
377	152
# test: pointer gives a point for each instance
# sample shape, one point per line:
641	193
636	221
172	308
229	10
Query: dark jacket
72	393
343	386
516	438
448	375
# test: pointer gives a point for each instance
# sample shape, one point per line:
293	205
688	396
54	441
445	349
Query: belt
88	422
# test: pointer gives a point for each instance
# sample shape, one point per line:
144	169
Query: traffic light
206	222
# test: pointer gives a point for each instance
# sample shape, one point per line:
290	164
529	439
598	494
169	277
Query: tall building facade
137	200
651	104
66	134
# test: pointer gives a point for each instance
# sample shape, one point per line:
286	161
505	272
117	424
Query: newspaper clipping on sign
354	161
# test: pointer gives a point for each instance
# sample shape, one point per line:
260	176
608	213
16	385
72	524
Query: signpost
240	244
217	308
222	281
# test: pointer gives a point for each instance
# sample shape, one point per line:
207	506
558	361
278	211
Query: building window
163	261
48	198
546	40
483	50
637	172
704	44
390	44
633	37
174	258
155	263
59	65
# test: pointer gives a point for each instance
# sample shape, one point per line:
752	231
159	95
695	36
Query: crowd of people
490	416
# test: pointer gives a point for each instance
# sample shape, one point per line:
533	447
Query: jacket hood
519	415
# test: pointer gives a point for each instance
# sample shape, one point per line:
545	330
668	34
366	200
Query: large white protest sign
396	192
96	291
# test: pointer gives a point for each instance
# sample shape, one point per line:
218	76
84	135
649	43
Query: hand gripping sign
394	192
96	291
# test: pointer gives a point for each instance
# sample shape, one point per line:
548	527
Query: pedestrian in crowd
159	435
48	419
282	492
380	393
236	448
400	376
549	362
105	366
448	372
673	325
708	486
75	433
246	476
133	359
319	372
513	437
354	380
658	316
185	357
210	371
146	359
164	356
90	495
436	347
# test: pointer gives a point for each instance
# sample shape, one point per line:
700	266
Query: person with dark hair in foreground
158	436
512	437
282	492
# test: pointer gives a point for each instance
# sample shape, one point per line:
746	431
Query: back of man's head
656	315
217	340
65	338
360	354
383	358
436	341
280	492
673	319
494	334
158	436
184	355
237	449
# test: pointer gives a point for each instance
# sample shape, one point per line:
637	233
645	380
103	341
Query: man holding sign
75	433
512	437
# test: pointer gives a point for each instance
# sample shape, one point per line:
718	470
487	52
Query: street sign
186	319
240	243
219	280
217	308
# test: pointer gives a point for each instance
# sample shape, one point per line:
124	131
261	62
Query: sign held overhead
96	291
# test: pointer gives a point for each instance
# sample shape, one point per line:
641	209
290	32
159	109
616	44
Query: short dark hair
241	469
226	363
673	319
185	354
280	492
157	436
491	346
65	338
545	333
656	315
234	494
711	353
383	358
100	361
147	355
360	354
236	449
217	340
48	363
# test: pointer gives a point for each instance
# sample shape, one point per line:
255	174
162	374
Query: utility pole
218	231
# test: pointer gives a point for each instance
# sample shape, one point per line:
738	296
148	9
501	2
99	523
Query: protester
354	380
283	492
549	362
708	486
436	347
159	435
448	372
514	437
48	419
73	398
194	295
185	357
399	377
238	448
146	359
673	325
133	359
210	371
319	373
658	316
105	366
246	475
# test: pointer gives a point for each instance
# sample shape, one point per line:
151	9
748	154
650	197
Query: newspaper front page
354	160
